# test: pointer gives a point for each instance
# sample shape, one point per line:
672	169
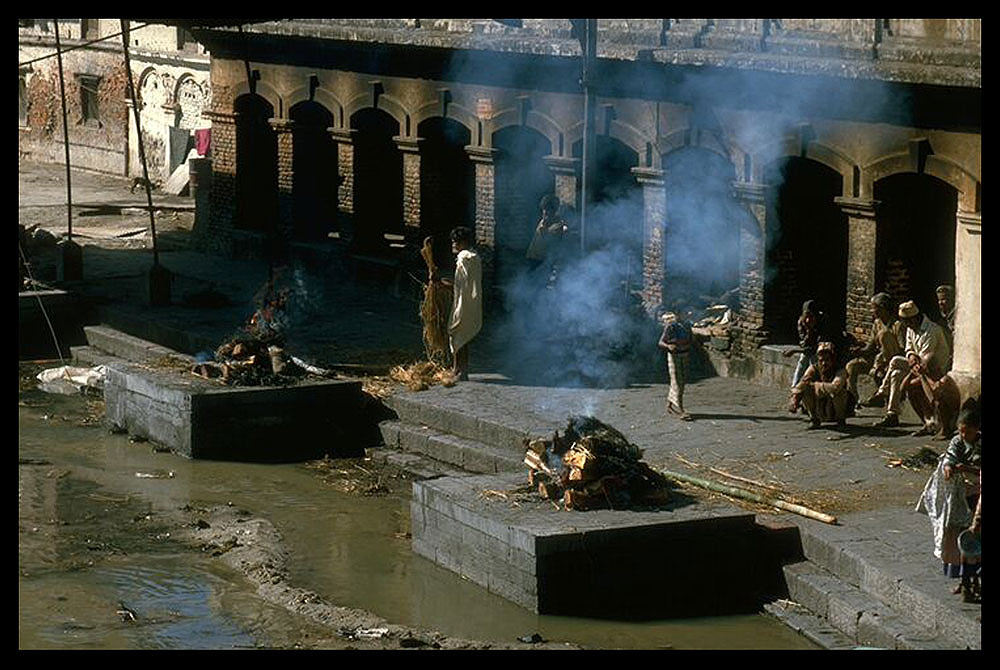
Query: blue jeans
804	362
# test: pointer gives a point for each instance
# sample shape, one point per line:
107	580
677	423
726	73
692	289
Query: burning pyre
593	466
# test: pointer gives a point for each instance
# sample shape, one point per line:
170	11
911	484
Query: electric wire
52	330
78	46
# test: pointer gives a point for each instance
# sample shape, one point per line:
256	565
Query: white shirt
467	303
929	343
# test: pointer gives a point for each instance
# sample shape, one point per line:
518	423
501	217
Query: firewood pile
710	316
592	466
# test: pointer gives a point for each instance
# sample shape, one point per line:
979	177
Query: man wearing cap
926	359
823	391
887	340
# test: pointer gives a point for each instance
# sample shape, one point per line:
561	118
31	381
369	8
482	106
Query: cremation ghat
687	559
199	418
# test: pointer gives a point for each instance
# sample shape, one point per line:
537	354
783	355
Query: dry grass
422	375
434	312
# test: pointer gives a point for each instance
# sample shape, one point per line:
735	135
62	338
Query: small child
964	455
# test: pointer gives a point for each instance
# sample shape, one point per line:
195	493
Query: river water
91	549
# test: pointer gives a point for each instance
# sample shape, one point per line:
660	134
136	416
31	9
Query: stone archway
447	183
915	252
256	165
378	179
806	248
314	171
702	230
521	180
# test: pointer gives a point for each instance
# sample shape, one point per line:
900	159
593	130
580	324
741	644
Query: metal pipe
62	95
589	135
138	133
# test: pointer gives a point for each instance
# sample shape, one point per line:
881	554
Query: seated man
823	391
887	340
925	361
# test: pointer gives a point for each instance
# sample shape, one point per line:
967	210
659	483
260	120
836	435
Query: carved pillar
410	148
283	131
967	364
751	332
344	139
653	229
483	161
862	241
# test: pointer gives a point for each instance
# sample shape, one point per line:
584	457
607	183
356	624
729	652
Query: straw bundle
422	375
435	309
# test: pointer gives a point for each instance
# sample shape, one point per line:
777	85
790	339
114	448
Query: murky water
89	543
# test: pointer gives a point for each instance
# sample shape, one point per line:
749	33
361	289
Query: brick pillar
283	131
750	331
565	171
861	244
217	234
967	363
483	162
410	147
653	219
344	138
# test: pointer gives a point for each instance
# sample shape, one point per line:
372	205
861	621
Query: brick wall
345	170
411	189
286	175
861	275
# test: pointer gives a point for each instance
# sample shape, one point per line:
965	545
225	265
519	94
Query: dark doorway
447	183
314	172
378	180
521	180
806	247
256	165
916	241
701	247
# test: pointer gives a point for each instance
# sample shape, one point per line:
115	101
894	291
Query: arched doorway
916	240
521	180
256	165
447	183
314	172
701	249
807	246
378	180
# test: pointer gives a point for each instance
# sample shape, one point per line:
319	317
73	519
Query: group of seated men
907	353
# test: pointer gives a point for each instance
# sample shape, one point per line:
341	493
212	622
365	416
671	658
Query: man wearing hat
926	359
887	340
823	391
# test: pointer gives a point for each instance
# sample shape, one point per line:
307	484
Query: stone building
793	158
170	72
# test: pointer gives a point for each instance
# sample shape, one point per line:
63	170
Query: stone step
470	455
865	559
127	347
411	409
809	625
417	465
858	615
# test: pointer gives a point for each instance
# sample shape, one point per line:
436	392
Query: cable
79	46
27	268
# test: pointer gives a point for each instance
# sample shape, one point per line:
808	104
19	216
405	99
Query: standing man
548	248
946	305
926	356
467	302
811	325
676	342
887	340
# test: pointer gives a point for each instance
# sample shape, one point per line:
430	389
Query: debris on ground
925	456
593	466
69	380
422	375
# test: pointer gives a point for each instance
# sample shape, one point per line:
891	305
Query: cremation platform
201	419
688	559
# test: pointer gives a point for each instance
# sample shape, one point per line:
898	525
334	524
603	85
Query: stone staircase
870	592
106	344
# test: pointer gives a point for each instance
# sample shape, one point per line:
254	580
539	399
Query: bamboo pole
749	495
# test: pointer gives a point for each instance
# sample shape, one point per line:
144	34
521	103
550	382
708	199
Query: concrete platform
201	419
672	562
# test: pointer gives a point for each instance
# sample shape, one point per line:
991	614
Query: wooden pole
749	495
62	95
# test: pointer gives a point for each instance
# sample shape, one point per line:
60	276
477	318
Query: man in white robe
467	302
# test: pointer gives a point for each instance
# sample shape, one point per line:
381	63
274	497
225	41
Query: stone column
283	129
565	170
483	162
967	364
653	230
751	332
344	139
410	147
222	210
862	242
